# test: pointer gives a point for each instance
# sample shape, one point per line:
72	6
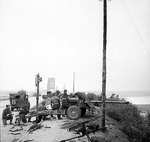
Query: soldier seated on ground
41	108
22	116
7	115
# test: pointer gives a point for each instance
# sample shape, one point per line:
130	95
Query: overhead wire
133	24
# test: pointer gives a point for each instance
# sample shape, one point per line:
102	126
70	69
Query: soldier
83	97
55	103
7	115
43	107
22	116
65	95
49	94
58	94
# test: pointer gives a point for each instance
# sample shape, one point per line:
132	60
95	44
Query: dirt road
51	129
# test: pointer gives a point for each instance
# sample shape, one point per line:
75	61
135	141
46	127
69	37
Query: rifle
31	129
83	129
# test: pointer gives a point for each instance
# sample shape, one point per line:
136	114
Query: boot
58	116
4	122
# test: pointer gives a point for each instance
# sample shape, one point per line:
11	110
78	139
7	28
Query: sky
56	38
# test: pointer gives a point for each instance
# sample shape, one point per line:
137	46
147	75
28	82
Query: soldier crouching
7	115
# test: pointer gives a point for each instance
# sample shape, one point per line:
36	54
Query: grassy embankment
129	118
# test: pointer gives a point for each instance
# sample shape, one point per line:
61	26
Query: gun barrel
110	102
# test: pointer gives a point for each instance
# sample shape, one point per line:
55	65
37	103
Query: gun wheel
73	112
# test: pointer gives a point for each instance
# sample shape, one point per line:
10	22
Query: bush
132	123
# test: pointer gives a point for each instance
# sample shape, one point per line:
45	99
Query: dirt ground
51	129
55	130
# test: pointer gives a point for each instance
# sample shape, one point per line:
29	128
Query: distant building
51	84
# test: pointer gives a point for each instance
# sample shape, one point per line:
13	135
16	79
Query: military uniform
22	116
55	103
7	115
43	107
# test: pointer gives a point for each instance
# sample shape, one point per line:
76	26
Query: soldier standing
55	103
65	95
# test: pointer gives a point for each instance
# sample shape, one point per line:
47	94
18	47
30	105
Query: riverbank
52	130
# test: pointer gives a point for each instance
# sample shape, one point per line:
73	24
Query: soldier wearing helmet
55	103
65	95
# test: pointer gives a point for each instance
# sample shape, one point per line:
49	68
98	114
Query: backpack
55	106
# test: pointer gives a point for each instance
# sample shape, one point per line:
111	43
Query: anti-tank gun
78	105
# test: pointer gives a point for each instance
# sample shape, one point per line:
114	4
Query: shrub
132	123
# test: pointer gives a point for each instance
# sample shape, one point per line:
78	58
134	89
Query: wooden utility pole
73	82
38	79
104	62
